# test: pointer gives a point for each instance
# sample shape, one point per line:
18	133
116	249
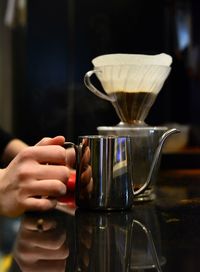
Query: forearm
12	149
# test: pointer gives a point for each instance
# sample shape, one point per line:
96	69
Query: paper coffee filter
132	78
139	59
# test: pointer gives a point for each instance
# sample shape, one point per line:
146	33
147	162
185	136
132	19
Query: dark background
54	51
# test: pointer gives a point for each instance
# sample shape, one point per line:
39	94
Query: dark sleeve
5	138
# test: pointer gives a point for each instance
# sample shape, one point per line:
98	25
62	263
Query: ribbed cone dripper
131	82
133	88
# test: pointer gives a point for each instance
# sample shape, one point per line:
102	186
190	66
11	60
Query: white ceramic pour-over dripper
131	82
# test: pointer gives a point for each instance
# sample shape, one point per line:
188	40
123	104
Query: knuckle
27	153
46	205
58	153
58	188
24	171
45	139
61	153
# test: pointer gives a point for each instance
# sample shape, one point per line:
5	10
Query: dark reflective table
162	235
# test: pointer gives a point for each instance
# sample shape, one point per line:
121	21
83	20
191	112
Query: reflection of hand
41	245
85	236
86	180
36	177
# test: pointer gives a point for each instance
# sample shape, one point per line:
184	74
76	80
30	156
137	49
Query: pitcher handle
155	159
69	145
93	89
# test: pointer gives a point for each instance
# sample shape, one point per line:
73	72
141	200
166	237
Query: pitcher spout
156	158
168	133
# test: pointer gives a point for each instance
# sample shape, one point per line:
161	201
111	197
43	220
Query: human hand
84	240
36	177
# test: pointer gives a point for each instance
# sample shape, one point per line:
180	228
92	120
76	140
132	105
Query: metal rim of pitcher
131	128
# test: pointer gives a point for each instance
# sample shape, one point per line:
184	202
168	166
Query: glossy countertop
161	235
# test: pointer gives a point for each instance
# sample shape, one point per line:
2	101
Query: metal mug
104	173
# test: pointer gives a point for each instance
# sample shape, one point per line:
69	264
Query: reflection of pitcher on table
131	83
103	241
146	249
119	241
